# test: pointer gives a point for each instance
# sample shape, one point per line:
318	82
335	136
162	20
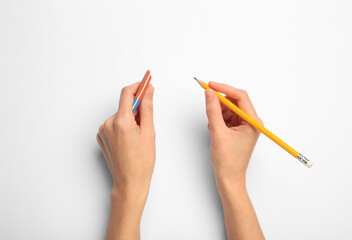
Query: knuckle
124	90
120	123
258	119
101	128
212	113
107	125
210	109
243	92
99	140
122	116
117	123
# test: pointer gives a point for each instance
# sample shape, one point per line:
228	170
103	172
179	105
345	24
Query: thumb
146	111
214	113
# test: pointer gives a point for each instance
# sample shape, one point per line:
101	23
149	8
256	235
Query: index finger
239	95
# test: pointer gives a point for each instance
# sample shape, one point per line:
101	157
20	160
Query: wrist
129	195
125	213
232	186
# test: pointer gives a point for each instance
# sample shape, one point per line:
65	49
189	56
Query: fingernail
211	82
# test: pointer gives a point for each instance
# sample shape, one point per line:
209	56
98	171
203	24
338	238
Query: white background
63	63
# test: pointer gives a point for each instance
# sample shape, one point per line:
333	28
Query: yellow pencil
257	125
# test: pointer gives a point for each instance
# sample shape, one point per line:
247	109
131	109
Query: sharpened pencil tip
199	81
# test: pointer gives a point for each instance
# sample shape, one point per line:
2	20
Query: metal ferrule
303	159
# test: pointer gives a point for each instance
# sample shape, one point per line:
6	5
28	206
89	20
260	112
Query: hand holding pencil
128	145
232	141
254	123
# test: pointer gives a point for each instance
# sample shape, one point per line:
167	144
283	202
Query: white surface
63	63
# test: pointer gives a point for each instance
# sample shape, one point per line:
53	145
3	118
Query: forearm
240	219
125	215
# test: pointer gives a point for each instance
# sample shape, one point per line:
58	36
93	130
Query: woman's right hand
232	139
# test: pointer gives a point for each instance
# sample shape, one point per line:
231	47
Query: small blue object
135	104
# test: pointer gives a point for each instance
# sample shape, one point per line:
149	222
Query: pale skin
128	144
232	141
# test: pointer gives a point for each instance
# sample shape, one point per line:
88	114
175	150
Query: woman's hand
128	144
232	141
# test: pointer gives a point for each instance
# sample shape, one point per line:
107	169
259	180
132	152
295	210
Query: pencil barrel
257	125
135	104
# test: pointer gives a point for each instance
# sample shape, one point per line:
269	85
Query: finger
239	95
102	138
126	99
213	109
106	156
104	131
100	141
226	112
146	110
103	149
